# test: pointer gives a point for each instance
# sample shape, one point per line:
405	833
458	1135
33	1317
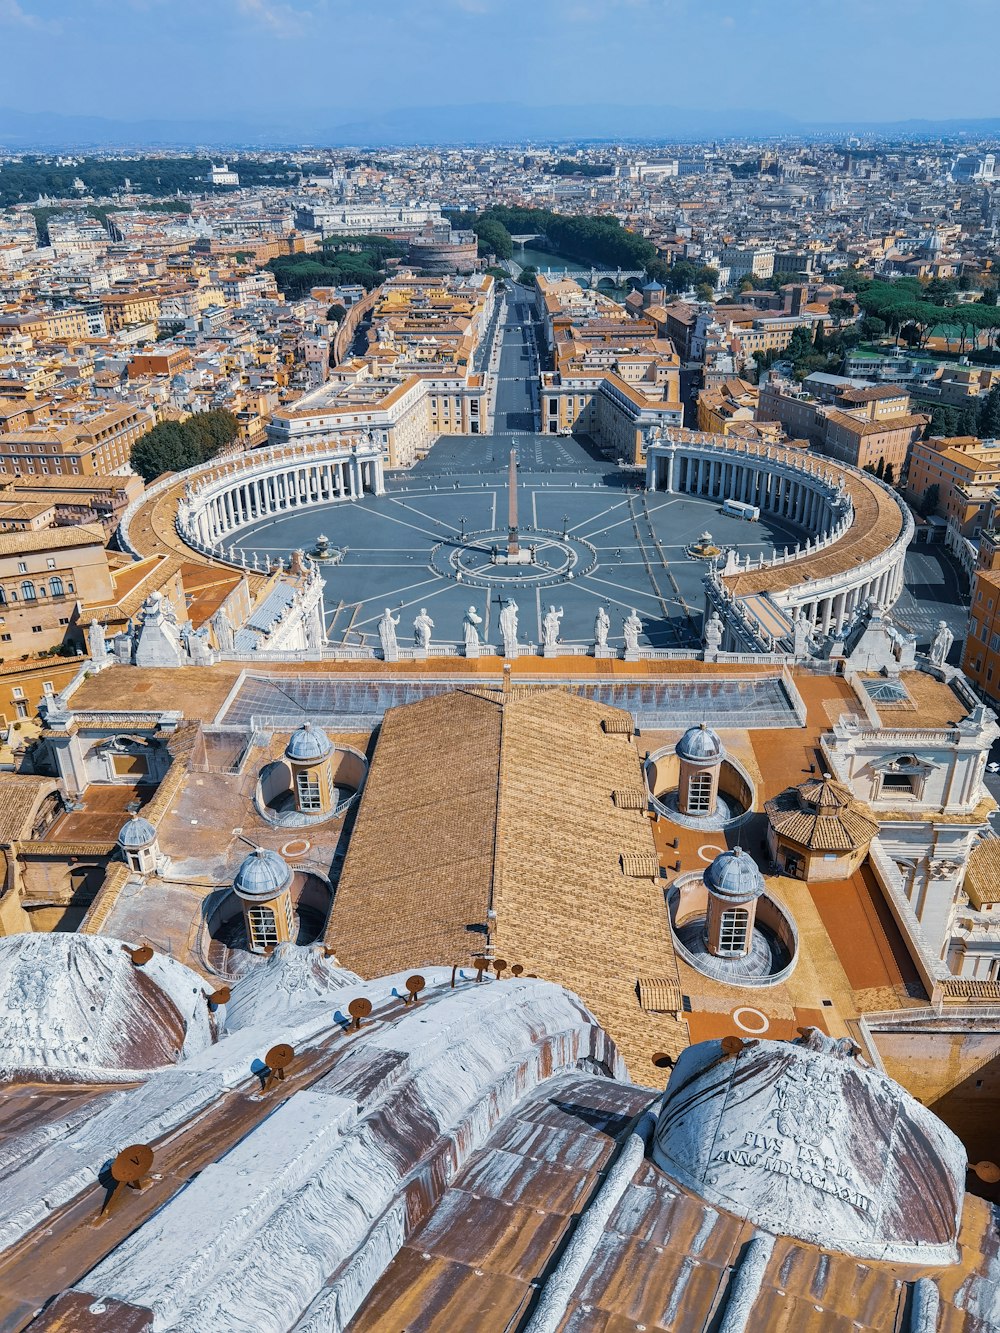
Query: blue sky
811	59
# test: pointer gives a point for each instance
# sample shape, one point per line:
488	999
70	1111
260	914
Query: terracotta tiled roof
878	521
484	801
822	816
982	877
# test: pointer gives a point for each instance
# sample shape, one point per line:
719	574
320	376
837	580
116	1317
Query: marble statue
470	627
602	625
713	633
803	631
422	627
387	636
550	627
632	627
941	645
97	642
508	626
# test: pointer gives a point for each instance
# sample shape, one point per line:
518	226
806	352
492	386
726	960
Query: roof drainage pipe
551	1308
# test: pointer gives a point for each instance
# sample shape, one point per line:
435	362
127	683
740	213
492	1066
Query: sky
813	60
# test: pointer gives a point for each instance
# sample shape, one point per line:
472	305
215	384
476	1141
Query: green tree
880	468
989	417
930	500
705	292
841	308
494	238
336	312
174	445
889	474
745	285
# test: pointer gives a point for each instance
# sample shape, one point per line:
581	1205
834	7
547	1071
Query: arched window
699	794
3	597
263	930
734	927
28	590
56	586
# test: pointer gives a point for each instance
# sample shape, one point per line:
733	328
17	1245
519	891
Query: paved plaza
600	539
623	547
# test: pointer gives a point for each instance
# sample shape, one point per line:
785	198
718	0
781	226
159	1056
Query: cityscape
499	668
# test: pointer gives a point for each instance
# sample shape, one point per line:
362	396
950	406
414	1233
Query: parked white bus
739	509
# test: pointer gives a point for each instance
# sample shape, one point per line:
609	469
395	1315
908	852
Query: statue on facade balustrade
551	625
713	635
632	628
422	627
508	627
387	636
470	630
602	627
941	645
802	635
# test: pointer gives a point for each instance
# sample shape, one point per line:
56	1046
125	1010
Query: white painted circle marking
737	1017
296	847
708	852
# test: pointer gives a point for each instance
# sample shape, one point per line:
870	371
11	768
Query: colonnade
803	490
801	497
261	487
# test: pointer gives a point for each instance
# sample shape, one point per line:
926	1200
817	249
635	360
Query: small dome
75	1007
308	744
136	833
734	875
699	743
802	1140
653	286
263	874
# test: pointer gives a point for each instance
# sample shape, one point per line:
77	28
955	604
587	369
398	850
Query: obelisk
513	548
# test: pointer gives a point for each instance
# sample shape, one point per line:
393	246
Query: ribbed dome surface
308	743
699	743
136	833
263	874
735	875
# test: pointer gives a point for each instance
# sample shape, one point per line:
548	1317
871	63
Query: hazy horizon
296	62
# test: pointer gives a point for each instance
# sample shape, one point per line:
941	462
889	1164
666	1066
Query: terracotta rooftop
878	521
982	878
822	816
505	803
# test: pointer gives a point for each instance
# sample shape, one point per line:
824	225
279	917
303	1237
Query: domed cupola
262	874
308	745
262	883
700	744
735	877
137	844
701	753
309	754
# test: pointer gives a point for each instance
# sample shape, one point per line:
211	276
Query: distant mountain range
482	123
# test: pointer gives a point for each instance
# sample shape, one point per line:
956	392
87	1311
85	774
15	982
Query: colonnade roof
878	521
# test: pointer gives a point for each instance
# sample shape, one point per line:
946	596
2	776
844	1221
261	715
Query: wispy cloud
280	19
14	15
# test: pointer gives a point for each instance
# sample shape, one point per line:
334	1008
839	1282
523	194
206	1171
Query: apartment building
725	405
614	376
966	472
866	426
46	325
418	379
44	576
84	439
